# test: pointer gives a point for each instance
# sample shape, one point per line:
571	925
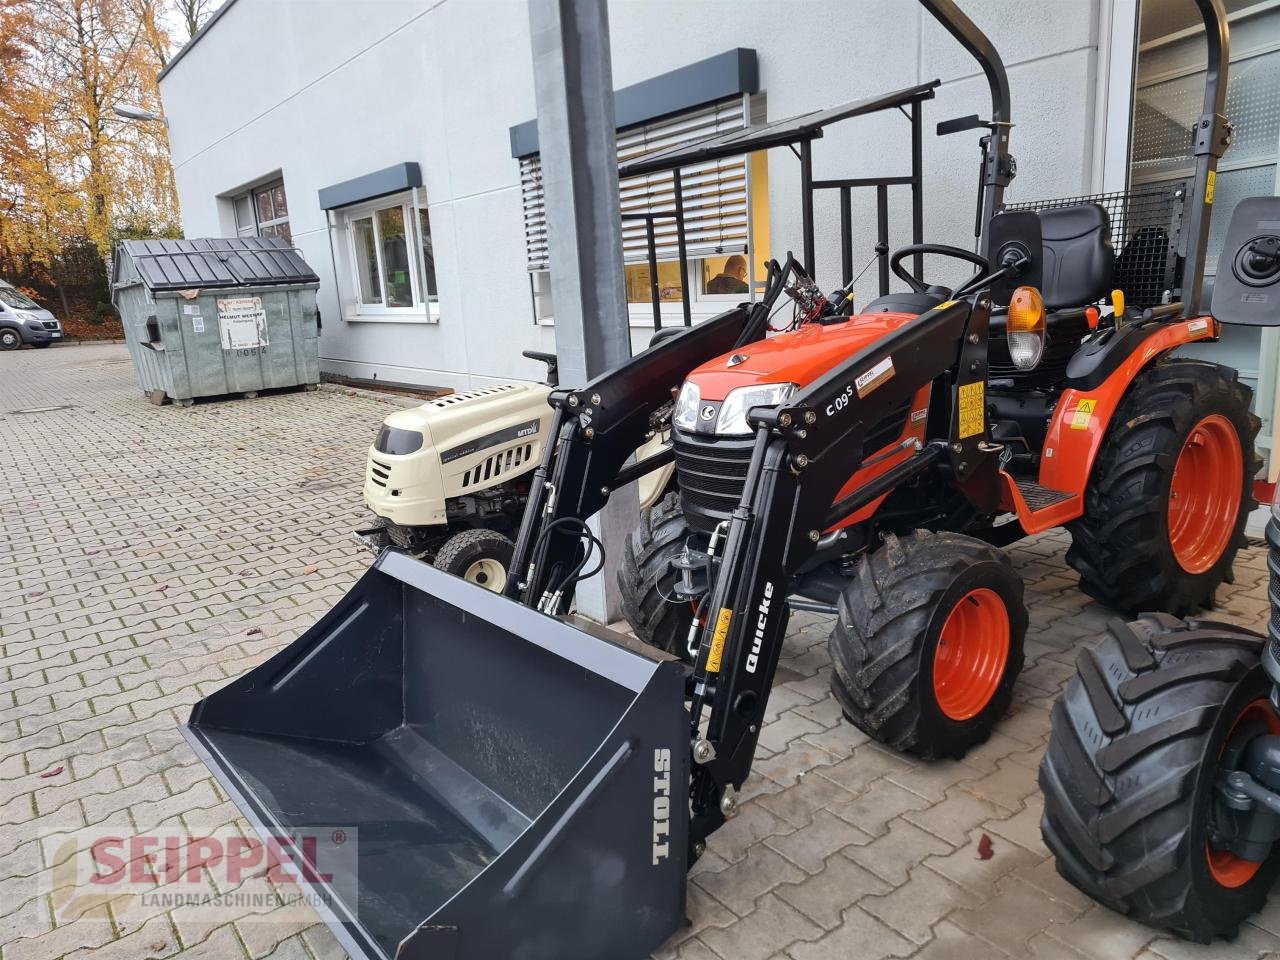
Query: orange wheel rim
1205	494
1225	867
971	655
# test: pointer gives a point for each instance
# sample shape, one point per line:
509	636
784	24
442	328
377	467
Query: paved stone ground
147	555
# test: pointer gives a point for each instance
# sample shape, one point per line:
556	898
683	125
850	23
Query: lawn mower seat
1079	262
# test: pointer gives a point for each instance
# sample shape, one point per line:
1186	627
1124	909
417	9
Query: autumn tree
72	169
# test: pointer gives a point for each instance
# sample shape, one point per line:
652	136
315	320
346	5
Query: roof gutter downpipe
999	167
1211	138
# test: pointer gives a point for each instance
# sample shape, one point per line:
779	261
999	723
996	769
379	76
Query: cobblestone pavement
148	554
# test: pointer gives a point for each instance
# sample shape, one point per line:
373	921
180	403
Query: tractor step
1038	507
1038	497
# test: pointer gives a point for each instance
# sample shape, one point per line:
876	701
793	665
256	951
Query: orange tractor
1057	405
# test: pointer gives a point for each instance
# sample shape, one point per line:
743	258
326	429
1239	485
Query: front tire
928	643
1171	490
482	557
1129	773
9	339
647	578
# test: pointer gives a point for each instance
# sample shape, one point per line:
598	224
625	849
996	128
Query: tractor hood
799	357
452	446
462	417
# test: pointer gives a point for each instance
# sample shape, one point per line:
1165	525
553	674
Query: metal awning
763	136
217	262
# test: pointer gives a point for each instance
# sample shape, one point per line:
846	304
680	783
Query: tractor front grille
712	471
499	466
379	473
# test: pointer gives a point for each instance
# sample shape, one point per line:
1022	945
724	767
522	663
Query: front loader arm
595	430
805	451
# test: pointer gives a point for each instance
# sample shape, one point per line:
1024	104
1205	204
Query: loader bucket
515	785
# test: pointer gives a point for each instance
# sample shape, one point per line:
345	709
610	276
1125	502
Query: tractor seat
1079	262
908	302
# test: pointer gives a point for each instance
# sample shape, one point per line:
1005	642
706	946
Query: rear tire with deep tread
885	639
1128	774
1120	546
646	578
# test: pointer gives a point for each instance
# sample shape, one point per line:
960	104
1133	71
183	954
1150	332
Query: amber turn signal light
1025	328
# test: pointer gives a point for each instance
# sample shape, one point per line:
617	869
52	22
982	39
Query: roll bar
999	167
1211	139
1212	134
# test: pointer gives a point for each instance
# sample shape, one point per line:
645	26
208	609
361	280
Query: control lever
553	365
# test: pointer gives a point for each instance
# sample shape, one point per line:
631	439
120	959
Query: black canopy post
1212	137
882	235
677	187
917	186
998	166
655	296
806	203
846	235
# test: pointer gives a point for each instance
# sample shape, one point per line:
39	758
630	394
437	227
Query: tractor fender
1084	413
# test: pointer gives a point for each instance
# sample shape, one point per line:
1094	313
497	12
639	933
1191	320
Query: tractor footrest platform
1038	497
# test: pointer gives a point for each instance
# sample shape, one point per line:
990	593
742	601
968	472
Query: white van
22	320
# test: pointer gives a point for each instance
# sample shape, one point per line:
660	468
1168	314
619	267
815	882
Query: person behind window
732	277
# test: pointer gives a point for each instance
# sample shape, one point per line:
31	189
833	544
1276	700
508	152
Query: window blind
715	193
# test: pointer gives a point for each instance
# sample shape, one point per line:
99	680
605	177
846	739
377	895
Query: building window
391	263
715	283
263	212
716	279
722	218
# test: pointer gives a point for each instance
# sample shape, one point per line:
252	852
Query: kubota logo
762	622
661	805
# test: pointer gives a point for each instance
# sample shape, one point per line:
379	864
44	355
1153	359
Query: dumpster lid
217	262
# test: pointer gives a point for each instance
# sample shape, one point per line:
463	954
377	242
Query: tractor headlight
397	442
685	415
1024	328
733	412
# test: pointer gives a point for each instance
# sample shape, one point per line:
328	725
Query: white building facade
390	140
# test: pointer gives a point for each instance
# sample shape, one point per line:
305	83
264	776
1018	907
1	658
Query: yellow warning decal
717	640
1083	414
973	414
1210	185
945	304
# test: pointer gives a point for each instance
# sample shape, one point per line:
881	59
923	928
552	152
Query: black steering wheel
942	250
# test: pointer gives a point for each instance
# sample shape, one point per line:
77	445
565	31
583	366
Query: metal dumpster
209	317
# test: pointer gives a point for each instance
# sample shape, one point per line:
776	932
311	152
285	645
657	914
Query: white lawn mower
448	480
